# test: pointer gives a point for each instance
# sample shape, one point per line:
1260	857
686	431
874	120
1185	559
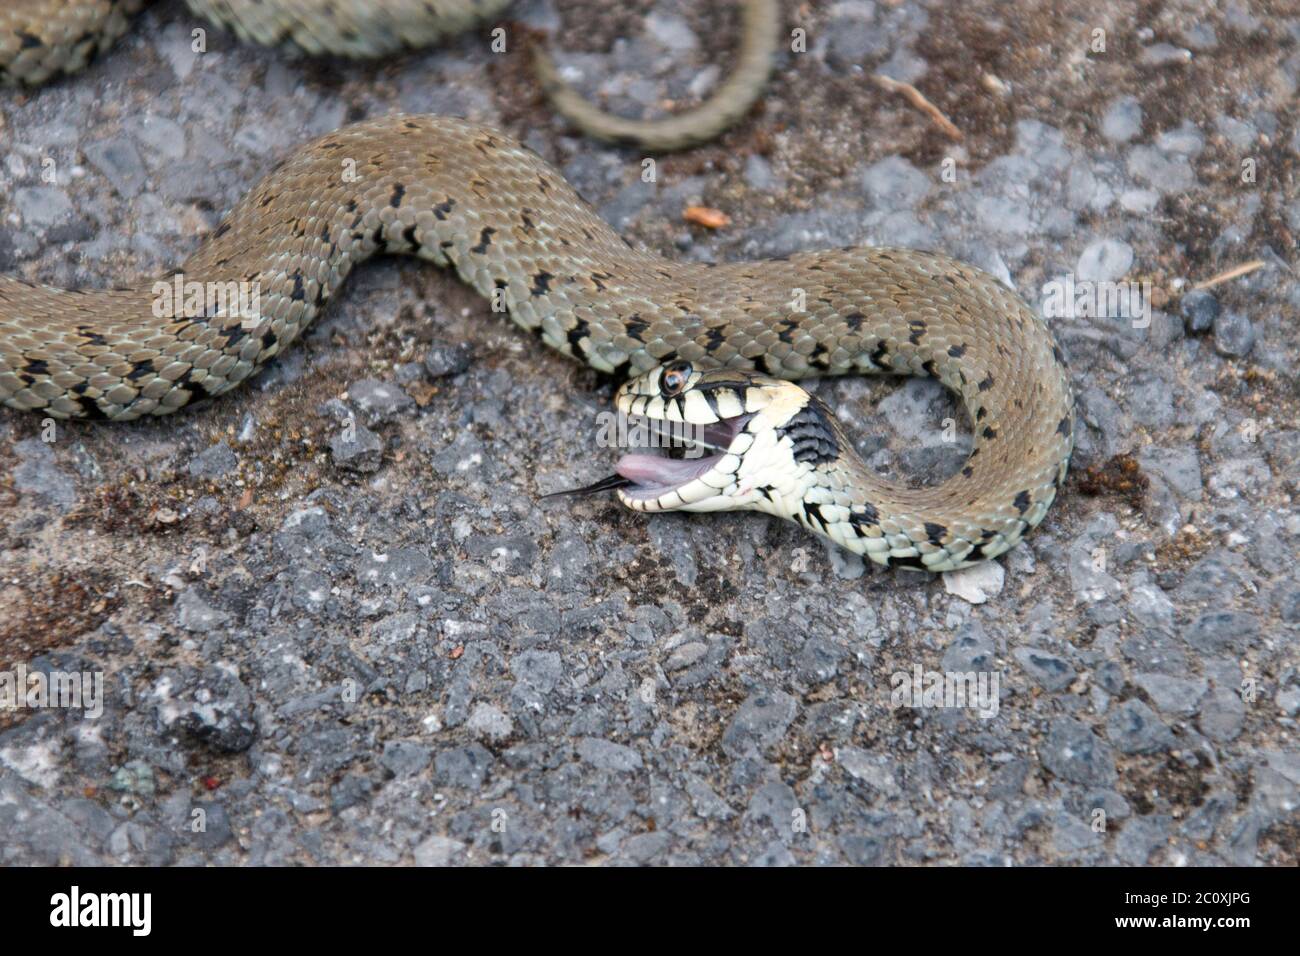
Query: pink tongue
662	472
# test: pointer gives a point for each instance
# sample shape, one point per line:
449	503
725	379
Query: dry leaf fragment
707	217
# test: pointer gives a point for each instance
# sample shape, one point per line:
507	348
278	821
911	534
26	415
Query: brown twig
1244	269
917	99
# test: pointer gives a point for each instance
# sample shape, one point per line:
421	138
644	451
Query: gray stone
1218	575
403	759
1134	728
1222	715
1219	631
1142	837
379	401
1234	334
1075	754
42	206
895	183
854	43
216	831
488	720
1180	466
216	708
357	449
1185	139
400	567
1151	607
1151	402
1050	671
38	475
120	163
1173	695
195	614
970	650
444	360
1162	54
759	722
437	851
1122	120
540	670
608	755
213	462
466	766
1106	260
685	655
759	175
1167	174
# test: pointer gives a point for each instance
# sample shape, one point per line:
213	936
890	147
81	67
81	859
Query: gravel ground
388	650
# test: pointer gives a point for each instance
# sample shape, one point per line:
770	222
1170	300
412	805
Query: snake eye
674	378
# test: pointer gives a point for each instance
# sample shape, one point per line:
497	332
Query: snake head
733	425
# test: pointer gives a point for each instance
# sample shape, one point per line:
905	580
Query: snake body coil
41	39
469	197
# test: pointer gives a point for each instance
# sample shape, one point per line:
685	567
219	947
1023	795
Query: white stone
977	583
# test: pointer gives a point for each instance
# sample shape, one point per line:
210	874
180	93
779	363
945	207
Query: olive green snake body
42	39
469	197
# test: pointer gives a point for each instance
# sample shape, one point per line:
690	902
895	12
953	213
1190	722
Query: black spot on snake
234	335
813	512
90	409
985	385
635	325
1064	427
811	435
989	432
1022	502
577	334
910	561
541	283
854	321
484	240
92	337
934	533
440	211
957	351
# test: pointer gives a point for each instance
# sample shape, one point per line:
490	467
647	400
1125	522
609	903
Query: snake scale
42	39
469	197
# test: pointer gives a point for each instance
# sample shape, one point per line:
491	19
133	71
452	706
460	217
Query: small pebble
1200	309
1234	335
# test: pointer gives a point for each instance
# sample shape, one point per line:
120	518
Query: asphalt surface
385	648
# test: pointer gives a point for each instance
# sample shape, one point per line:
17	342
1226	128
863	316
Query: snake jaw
657	482
723	410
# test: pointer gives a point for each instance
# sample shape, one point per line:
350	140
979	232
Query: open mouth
683	458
